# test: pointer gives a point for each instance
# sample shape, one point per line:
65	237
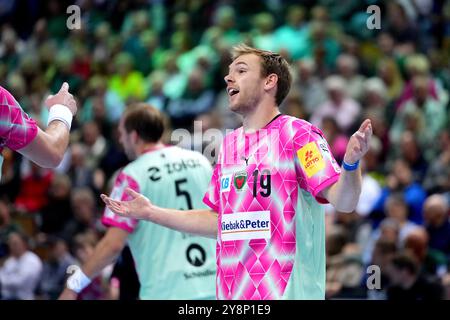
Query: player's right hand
63	97
68	294
139	207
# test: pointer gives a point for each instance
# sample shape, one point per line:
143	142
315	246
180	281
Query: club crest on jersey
240	178
311	159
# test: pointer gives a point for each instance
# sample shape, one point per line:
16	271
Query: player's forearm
57	139
106	252
48	147
344	194
197	222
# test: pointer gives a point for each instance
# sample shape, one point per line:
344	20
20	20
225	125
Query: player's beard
245	104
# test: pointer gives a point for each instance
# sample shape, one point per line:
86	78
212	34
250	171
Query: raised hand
359	143
139	207
63	97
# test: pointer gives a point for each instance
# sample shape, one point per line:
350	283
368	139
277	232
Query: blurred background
174	55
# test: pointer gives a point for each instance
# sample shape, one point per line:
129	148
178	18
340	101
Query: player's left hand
359	143
139	207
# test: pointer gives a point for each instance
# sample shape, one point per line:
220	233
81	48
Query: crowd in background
174	55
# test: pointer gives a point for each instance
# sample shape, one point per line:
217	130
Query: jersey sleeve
17	129
212	195
316	167
110	219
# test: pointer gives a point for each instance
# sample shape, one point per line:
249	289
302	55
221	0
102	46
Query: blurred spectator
389	72
10	180
224	27
113	159
370	193
397	209
400	26
262	33
33	188
294	106
388	230
375	100
336	139
57	211
10	48
64	72
347	67
95	142
400	181
446	285
54	271
196	99
384	251
408	284
413	155
372	161
152	55
7	226
437	178
436	214
293	35
322	47
109	99
339	106
423	115
126	82
21	271
417	66
156	97
344	268
80	174
176	81
397	217
431	262
309	85
85	215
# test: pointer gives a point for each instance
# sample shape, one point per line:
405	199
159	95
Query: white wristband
62	113
78	281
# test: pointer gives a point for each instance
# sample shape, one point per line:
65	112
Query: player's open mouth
232	91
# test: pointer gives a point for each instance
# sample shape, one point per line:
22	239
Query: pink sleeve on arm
315	165
110	219
212	195
17	129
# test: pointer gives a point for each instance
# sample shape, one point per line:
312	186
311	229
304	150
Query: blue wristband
350	167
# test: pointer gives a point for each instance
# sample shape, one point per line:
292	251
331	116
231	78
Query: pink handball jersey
17	129
271	230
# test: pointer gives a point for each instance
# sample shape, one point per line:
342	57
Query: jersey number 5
184	193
